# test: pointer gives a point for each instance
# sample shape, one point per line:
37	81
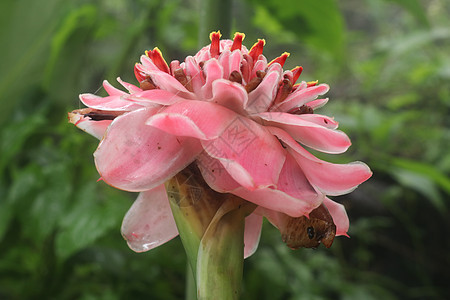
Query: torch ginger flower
242	122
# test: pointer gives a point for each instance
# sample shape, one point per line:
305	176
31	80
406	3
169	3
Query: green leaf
319	23
415	8
83	16
425	169
14	136
88	219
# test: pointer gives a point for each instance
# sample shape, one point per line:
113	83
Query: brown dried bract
309	233
183	79
147	84
235	76
100	115
284	90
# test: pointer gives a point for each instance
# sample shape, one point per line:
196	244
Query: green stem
191	289
214	15
211	227
220	258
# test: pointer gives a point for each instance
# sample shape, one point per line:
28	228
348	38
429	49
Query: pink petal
169	83
155	96
229	94
315	104
310	130
135	157
130	87
252	233
215	174
294	196
224	60
275	218
331	179
112	91
195	73
213	71
300	97
339	215
199	119
248	152
112	103
149	222
320	120
148	64
260	65
261	98
235	61
94	128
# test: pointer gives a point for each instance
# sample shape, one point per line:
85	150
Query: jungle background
388	65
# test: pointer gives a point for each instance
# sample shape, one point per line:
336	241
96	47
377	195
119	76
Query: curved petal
260	65
315	104
308	130
235	61
169	83
155	96
294	196
130	87
229	94
94	128
112	103
112	91
199	119
194	72
213	71
261	98
135	157
339	215
248	152
148	64
215	174
224	60
149	222
301	96
329	178
252	233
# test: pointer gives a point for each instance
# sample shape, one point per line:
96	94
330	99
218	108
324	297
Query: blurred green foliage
388	65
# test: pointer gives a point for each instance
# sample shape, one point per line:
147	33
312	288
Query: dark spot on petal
302	110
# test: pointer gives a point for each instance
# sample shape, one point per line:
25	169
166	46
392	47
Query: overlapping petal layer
136	157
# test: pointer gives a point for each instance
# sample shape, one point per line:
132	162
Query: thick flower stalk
240	125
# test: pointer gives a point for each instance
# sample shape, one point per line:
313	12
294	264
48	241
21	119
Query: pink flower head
241	119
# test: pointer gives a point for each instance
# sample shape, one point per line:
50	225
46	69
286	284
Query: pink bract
242	120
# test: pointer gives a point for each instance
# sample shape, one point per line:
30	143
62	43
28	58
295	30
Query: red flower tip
312	83
156	56
215	43
280	59
100	179
257	49
296	74
237	41
138	74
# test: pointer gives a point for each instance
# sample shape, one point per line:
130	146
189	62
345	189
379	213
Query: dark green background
388	65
